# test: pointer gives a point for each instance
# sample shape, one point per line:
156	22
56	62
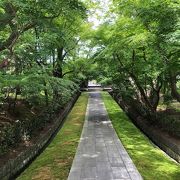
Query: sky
97	16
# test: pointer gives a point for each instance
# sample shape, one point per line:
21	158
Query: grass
55	162
151	162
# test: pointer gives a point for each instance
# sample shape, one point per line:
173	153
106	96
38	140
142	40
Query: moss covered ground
151	162
56	160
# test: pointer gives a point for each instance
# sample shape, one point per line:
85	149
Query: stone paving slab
100	154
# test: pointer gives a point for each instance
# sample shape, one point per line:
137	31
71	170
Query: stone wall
167	143
13	166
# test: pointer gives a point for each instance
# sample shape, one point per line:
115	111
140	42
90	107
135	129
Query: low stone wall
165	142
14	166
168	144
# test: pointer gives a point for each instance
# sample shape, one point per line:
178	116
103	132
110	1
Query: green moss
151	162
55	162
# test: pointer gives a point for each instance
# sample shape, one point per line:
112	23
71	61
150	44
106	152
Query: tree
137	52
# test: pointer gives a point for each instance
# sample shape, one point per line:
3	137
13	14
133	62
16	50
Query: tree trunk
154	98
142	92
174	91
46	94
57	72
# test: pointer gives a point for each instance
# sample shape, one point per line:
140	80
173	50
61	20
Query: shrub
32	89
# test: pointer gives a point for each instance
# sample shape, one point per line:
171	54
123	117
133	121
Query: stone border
162	140
14	166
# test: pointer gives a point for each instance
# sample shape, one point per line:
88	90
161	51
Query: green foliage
32	88
138	52
9	135
37	40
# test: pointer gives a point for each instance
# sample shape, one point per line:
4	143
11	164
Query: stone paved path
100	154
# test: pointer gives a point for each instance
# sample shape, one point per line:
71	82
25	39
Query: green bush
9	135
32	90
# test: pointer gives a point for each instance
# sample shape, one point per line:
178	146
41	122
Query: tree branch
68	72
